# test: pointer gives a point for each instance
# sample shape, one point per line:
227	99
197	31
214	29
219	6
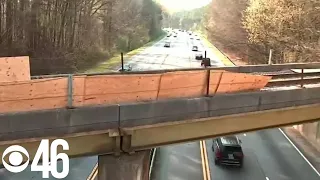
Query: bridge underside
133	127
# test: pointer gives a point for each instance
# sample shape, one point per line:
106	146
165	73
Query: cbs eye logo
46	164
15	159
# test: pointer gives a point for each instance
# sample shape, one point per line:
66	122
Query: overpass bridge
159	110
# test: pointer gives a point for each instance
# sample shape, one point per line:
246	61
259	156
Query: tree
290	27
62	36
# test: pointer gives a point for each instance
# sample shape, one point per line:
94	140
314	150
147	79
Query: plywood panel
33	104
79	90
121	98
14	69
215	77
183	84
120	88
235	82
33	95
33	89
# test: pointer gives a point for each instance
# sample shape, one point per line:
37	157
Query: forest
64	36
248	29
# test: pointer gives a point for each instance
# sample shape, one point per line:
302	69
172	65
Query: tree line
63	36
250	28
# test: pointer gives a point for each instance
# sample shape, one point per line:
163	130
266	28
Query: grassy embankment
225	60
115	61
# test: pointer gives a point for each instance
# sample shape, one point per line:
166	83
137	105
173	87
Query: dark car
199	56
194	48
175	35
228	151
167	44
168	35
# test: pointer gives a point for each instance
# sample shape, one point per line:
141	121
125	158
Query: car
167	44
175	35
206	62
194	48
228	151
126	67
198	38
168	35
199	56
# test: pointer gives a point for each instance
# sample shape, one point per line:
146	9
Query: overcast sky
177	5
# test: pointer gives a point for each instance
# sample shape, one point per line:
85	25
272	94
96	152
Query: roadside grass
225	60
115	61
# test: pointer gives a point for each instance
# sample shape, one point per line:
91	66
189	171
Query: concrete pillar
125	166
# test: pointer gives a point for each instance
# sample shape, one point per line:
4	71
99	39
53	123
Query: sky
177	5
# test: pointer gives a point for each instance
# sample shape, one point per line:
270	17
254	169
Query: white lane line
245	134
267	178
284	134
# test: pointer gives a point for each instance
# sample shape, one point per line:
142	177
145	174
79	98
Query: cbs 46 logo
16	159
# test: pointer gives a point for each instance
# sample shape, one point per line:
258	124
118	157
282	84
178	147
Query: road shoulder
306	148
115	61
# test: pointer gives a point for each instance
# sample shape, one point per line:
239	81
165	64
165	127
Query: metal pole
270	56
302	76
122	61
205	54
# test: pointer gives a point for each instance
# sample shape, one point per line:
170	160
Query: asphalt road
268	155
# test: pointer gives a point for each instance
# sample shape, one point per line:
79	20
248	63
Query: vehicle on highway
199	56
194	48
198	38
168	35
167	44
228	151
206	62
126	67
175	35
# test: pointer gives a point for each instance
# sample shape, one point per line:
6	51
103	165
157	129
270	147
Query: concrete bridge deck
138	126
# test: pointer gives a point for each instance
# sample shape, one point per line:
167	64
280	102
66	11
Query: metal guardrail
240	69
289	79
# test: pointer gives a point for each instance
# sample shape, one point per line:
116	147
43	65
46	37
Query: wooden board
33	95
183	84
113	89
14	69
215	77
236	82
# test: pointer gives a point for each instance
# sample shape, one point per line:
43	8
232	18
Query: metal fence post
302	77
270	57
70	91
122	62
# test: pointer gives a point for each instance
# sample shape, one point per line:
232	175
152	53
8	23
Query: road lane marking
204	161
267	178
93	173
284	134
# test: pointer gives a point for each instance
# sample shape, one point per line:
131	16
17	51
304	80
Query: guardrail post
302	77
70	91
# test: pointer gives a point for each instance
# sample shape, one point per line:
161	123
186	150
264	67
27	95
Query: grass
115	61
225	60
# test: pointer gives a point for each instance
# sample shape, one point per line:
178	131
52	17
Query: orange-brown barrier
182	84
14	69
112	89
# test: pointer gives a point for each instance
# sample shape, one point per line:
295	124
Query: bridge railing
75	90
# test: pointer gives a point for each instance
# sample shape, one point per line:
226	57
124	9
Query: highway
268	154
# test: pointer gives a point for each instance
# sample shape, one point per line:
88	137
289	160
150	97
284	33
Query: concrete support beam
125	167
